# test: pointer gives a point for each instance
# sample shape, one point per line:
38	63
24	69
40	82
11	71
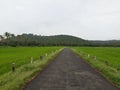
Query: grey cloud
89	19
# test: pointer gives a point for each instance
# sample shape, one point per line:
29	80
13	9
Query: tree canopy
9	39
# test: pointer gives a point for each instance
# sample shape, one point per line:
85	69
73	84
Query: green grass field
107	62
105	59
21	56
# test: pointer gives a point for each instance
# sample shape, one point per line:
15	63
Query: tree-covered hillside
37	40
9	39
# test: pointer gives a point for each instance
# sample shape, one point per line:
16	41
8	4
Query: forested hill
37	40
113	43
58	40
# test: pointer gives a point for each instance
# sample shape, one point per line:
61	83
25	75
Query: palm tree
1	37
7	35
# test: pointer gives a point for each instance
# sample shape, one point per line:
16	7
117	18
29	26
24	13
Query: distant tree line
8	39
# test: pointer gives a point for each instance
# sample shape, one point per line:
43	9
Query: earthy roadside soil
68	72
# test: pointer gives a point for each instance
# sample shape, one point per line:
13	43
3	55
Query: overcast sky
88	19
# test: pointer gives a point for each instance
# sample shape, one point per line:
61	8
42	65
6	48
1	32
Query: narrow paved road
69	72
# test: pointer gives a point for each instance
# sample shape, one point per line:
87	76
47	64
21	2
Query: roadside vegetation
28	61
104	59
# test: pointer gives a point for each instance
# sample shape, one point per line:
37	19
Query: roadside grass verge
16	80
106	60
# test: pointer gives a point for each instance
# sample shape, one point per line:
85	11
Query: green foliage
37	40
21	56
58	40
107	60
16	80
